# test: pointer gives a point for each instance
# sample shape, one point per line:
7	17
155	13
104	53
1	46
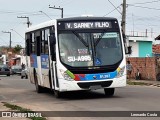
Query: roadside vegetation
137	83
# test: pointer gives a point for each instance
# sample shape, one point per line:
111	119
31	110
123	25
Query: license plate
94	87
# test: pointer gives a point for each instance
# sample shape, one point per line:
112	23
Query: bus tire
109	91
26	76
8	74
39	89
57	94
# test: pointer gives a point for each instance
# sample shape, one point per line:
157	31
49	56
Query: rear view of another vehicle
4	70
24	73
16	69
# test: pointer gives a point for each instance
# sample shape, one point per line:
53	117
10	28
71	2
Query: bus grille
87	85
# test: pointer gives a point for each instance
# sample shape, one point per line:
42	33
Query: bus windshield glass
92	48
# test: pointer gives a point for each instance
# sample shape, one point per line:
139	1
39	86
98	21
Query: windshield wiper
80	38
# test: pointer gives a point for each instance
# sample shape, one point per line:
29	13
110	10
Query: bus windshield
94	48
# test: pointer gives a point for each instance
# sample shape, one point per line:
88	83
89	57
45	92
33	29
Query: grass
137	83
23	110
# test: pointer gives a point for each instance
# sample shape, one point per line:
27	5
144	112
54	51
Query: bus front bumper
65	85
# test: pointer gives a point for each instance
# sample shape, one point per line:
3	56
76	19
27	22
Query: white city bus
80	53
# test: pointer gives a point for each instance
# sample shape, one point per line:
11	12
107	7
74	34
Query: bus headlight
67	75
120	71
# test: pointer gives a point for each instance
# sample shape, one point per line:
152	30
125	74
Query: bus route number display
87	25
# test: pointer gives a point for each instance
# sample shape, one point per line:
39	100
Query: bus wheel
109	91
26	76
8	74
57	93
39	89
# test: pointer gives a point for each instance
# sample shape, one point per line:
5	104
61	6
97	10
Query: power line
18	33
46	15
114	7
140	18
148	2
15	12
144	7
10	36
111	11
3	41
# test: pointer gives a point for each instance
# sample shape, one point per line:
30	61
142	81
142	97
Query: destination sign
87	25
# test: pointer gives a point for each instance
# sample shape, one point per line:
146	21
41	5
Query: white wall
135	49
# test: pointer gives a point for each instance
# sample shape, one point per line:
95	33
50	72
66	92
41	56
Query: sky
141	15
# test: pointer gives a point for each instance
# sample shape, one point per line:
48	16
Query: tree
17	49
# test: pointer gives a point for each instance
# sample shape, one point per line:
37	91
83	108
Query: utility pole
10	38
59	8
17	33
28	22
123	23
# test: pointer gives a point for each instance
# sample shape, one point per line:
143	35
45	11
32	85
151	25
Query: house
142	57
141	46
156	47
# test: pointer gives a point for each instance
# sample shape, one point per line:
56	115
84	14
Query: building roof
156	48
158	37
135	39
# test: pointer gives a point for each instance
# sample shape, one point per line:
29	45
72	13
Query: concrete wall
146	65
141	46
135	49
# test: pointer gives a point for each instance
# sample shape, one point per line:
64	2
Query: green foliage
17	49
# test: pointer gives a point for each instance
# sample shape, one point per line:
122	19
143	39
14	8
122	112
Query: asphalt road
21	92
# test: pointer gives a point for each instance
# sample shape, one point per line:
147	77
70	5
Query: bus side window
33	44
28	46
38	43
44	42
46	47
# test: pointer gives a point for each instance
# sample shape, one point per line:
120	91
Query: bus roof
86	18
41	25
52	22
